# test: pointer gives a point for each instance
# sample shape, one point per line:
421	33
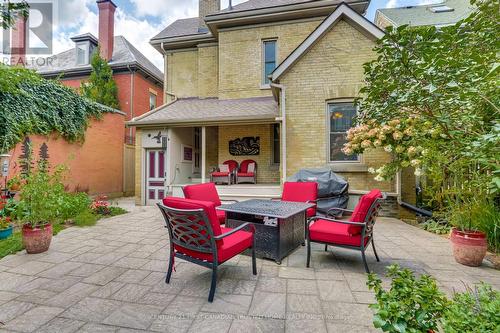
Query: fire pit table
279	225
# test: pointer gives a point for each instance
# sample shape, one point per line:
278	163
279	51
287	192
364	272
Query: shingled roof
124	54
208	110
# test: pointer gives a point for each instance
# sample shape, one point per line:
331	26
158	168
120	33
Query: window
340	120
276	144
269	59
152	101
82	57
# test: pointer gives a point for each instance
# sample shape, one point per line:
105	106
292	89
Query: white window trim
85	45
263	84
359	159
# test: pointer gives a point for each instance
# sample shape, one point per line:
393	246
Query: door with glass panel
155	176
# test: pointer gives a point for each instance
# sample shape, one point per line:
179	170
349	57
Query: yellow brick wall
182	73
331	69
138	169
212	156
266	172
240	56
208	71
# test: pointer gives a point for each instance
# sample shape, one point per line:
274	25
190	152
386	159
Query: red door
155	176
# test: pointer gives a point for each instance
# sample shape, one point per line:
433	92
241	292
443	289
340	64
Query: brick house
101	164
281	70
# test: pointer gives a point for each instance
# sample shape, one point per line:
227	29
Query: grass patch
11	245
115	211
85	219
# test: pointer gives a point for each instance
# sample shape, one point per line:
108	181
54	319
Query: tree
9	12
431	99
101	87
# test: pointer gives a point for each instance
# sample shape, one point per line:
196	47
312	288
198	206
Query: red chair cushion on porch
220	174
246	174
232	165
203	192
221	215
334	233
359	213
244	166
207	206
233	245
301	192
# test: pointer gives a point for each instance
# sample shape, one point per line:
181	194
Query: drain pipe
282	98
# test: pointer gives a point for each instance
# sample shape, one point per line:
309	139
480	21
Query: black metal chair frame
182	225
366	231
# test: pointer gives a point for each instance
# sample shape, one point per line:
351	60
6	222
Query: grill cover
333	189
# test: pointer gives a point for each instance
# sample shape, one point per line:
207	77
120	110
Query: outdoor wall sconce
4	165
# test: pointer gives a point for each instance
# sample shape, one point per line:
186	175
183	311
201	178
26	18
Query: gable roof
423	15
195	110
182	27
343	11
124	55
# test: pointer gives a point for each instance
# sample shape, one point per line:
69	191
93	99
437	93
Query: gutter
282	98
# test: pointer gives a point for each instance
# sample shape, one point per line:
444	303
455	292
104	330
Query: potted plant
476	310
5	227
14	184
469	242
410	305
39	206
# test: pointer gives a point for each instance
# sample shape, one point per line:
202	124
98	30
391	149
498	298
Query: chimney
206	7
106	27
18	42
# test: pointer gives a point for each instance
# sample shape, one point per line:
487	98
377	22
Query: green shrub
72	204
475	311
410	305
85	219
115	210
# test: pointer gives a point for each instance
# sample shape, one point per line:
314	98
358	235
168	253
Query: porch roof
210	111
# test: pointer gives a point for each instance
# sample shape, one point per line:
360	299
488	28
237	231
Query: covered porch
185	141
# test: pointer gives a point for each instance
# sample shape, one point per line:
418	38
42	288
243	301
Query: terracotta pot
37	240
469	247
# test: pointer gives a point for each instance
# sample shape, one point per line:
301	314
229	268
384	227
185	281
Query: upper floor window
84	51
152	100
269	58
340	115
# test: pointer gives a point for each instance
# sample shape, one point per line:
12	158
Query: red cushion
203	192
335	233
359	213
207	206
221	215
301	192
232	164
246	174
220	174
244	165
233	245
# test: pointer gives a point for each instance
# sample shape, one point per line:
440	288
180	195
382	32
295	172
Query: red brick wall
96	165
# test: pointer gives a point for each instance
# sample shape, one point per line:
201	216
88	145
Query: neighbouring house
107	166
440	14
279	73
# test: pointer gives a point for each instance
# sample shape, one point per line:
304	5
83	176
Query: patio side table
279	225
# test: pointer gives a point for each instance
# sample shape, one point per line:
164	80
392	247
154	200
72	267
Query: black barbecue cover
333	190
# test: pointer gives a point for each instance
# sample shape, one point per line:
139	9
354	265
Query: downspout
132	78
283	127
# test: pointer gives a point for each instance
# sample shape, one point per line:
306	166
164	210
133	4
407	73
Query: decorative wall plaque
245	146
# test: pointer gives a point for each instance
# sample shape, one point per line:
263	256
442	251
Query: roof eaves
343	10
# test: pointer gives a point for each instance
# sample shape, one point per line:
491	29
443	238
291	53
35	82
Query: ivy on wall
30	104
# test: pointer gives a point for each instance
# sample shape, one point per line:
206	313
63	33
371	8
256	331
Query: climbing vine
30	104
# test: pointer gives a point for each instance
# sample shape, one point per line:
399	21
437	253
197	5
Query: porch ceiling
210	111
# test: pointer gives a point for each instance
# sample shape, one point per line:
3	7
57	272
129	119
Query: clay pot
37	240
469	247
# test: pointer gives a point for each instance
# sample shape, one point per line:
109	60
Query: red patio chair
301	192
355	234
247	173
225	176
206	192
196	236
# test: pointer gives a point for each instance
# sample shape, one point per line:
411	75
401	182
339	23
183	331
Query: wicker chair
245	174
225	177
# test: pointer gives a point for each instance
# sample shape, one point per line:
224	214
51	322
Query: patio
110	278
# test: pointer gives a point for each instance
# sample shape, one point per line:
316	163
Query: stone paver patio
110	278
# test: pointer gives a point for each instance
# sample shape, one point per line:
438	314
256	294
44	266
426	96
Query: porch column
203	154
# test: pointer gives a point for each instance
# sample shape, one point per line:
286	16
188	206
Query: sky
139	20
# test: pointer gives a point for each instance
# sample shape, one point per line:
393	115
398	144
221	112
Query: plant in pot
468	237
39	206
410	305
6	227
14	184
